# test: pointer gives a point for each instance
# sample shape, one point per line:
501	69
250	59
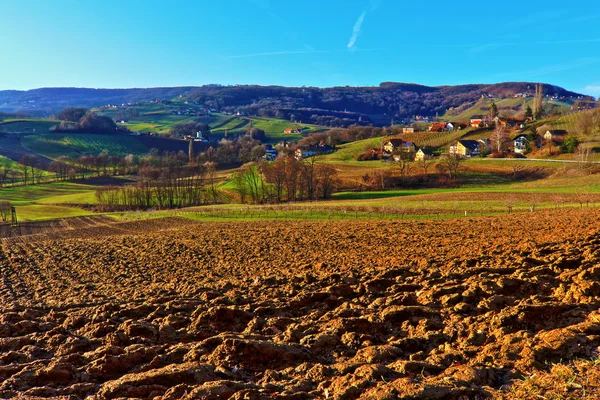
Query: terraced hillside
471	308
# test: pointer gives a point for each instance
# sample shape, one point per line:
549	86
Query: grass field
36	212
37	202
159	118
349	151
273	127
27	125
53	145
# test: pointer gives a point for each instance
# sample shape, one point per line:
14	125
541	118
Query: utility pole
191	151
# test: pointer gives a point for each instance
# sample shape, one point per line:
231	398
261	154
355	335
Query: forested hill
326	106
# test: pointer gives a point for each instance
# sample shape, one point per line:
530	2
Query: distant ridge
334	106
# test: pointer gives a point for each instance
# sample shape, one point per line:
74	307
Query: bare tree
450	164
583	154
583	196
500	139
534	201
509	203
275	174
585	123
24	167
558	201
404	167
327	181
425	164
516	170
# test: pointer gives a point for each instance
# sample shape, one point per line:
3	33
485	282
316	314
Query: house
478	121
459	126
467	148
270	154
520	144
398	146
423	154
556	135
408	130
313	150
508	122
294	130
441	127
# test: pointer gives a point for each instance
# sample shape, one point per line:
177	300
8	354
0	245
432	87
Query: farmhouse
520	144
441	127
311	151
294	130
508	122
466	148
398	146
423	154
478	121
270	154
408	130
556	135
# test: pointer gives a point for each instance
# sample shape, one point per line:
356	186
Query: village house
508	122
467	148
478	121
398	146
441	127
314	150
423	154
408	130
270	153
294	130
520	144
555	135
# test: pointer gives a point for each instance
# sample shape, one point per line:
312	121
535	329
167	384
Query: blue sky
135	43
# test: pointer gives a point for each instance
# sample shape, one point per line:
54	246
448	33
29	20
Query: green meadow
53	145
48	201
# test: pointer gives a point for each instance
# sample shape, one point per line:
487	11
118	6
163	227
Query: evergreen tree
528	112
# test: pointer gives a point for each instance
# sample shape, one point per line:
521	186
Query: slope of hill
506	106
336	106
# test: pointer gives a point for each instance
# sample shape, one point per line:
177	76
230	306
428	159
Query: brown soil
172	308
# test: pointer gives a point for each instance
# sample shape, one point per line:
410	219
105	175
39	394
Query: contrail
374	6
356	30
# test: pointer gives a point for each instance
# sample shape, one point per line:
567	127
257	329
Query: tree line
170	183
75	119
285	180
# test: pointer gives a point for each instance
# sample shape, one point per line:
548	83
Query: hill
335	106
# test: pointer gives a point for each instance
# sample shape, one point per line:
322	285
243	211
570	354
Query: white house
520	144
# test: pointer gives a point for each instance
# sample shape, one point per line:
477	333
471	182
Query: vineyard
436	139
469	308
55	145
11	147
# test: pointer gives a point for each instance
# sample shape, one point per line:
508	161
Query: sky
146	43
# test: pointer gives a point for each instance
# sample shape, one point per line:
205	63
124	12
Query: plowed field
498	307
